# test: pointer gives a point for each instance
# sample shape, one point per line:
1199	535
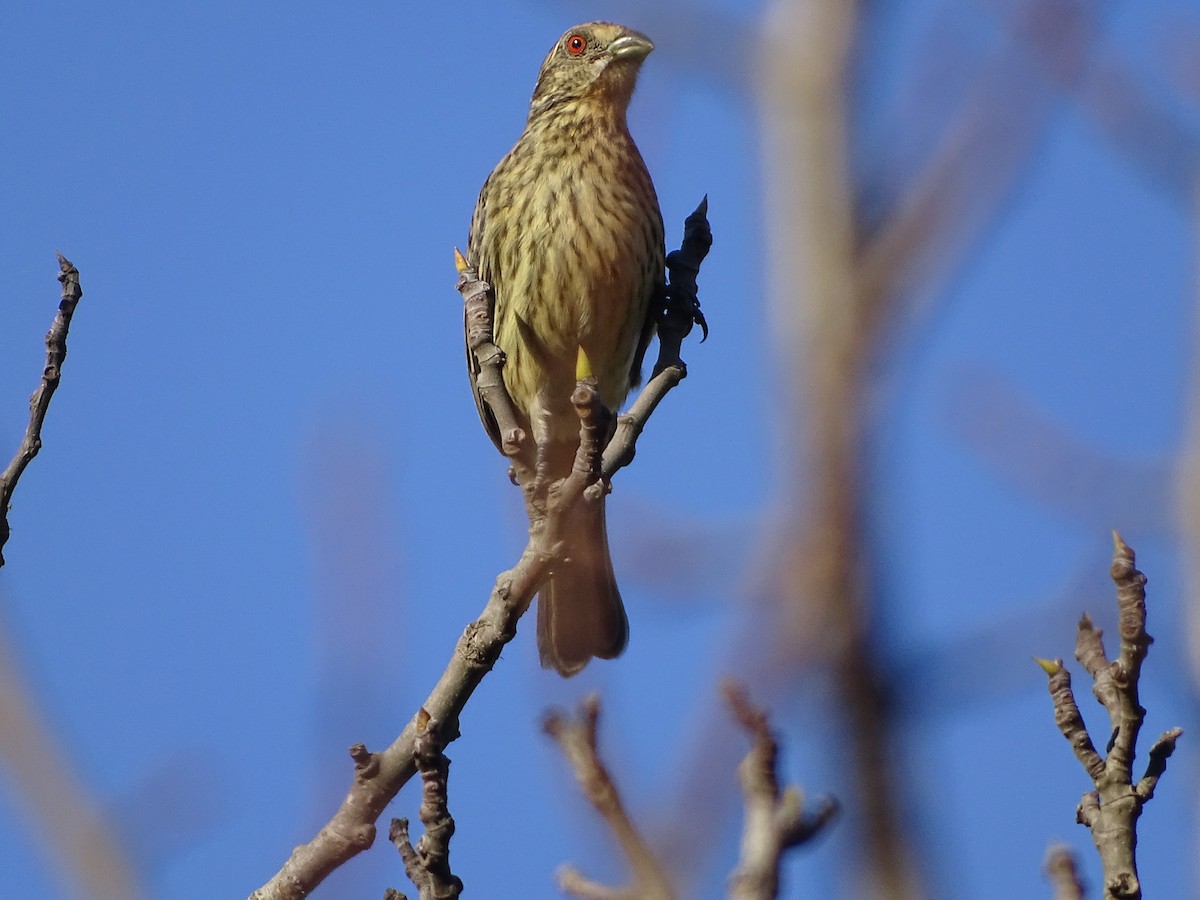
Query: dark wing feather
648	329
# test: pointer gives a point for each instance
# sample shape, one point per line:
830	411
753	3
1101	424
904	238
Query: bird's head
598	61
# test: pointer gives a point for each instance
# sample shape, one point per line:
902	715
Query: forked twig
1111	810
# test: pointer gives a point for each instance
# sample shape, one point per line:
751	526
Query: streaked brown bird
568	232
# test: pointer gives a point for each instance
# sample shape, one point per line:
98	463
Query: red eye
576	44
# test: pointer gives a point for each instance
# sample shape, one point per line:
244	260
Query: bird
568	232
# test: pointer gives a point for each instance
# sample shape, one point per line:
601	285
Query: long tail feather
580	613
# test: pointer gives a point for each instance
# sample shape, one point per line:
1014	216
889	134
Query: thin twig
39	402
577	737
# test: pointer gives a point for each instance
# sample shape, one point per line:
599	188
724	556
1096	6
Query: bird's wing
484	269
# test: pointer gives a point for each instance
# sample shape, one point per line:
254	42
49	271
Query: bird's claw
698	319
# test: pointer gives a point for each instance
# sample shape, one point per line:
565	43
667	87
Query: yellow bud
460	261
1049	666
583	366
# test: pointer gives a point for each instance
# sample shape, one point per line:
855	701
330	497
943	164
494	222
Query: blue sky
265	509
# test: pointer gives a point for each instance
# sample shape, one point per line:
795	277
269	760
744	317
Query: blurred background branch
863	247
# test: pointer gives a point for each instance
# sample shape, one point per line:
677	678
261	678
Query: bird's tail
580	613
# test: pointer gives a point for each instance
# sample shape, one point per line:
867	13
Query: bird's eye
576	44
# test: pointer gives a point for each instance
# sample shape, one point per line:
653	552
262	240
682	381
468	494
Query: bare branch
379	776
1111	810
577	737
39	402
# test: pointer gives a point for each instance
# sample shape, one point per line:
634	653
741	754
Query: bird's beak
631	46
